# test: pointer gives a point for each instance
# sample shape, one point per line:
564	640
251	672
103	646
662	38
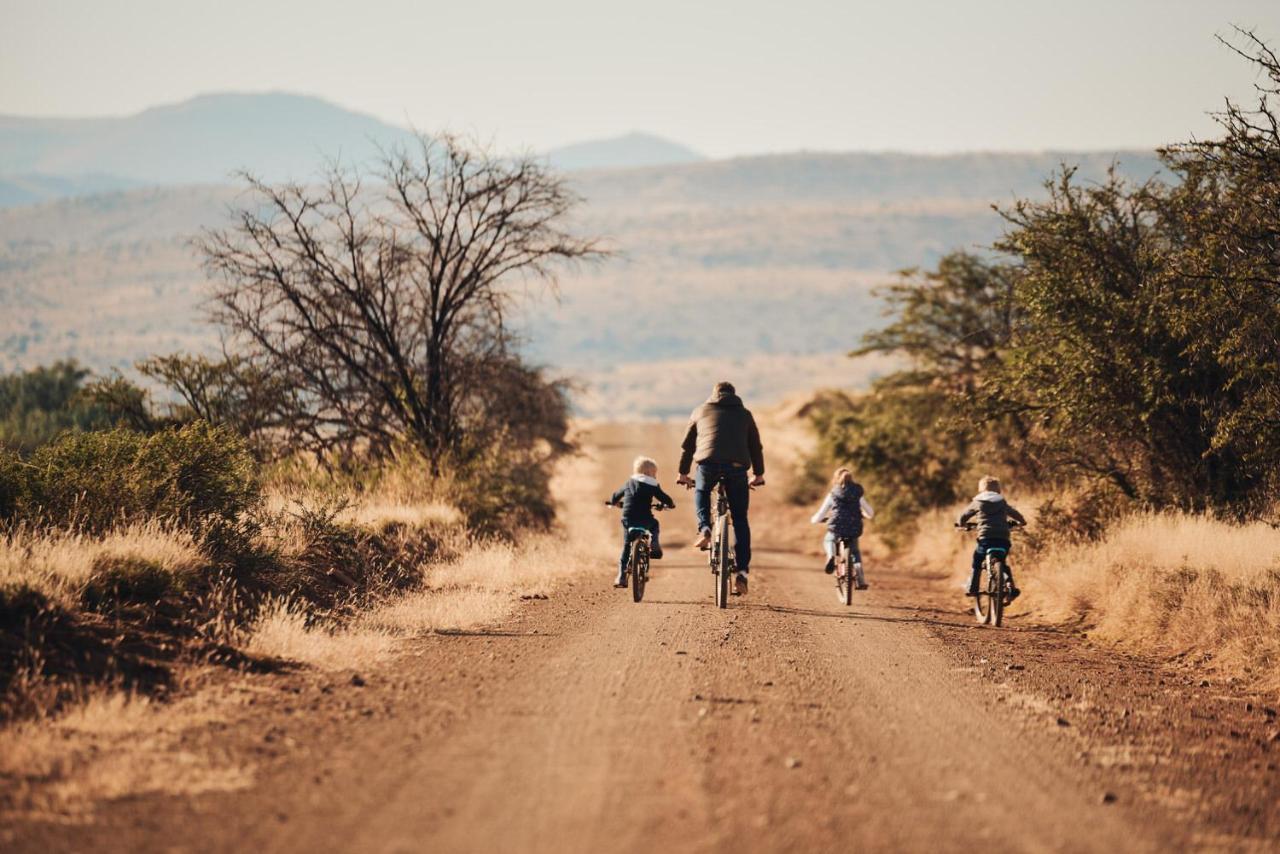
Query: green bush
198	477
119	579
39	404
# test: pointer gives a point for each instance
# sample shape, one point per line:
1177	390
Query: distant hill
203	140
17	190
634	150
861	176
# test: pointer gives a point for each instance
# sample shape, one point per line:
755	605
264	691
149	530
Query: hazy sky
724	77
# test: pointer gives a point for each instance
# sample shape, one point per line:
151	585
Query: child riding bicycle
636	498
992	515
843	510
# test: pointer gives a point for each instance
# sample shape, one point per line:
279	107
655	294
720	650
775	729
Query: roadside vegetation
1118	353
371	459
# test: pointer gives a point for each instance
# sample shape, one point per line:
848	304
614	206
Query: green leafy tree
39	404
919	431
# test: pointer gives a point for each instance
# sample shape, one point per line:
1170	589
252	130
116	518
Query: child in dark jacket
636	498
843	510
992	514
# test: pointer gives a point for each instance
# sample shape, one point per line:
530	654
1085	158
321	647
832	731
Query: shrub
197	477
119	579
39	404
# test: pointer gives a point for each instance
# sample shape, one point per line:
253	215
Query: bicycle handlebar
970	526
656	508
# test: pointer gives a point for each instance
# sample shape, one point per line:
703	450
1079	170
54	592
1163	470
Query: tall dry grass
59	564
481	586
1173	584
1168	584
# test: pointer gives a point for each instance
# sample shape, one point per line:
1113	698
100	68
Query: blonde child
636	498
843	510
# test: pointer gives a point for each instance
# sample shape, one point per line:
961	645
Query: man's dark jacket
722	430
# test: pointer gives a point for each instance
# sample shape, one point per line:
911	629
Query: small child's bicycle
993	584
636	573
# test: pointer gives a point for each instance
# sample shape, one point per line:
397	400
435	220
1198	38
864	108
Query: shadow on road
489	633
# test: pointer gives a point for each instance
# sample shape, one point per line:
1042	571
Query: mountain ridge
205	139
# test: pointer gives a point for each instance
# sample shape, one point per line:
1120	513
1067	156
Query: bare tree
384	309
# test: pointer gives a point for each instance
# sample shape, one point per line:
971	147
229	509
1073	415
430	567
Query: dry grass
59	563
380	511
285	629
938	550
112	746
1173	584
1168	584
374	510
482	587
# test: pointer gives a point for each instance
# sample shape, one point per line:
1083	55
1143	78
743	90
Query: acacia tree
384	310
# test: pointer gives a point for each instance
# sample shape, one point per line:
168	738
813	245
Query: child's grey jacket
993	514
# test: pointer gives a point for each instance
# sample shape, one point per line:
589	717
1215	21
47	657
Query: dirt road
588	723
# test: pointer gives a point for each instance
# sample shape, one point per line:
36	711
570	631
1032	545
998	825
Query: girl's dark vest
845	519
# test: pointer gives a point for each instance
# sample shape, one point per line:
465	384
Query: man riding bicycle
724	442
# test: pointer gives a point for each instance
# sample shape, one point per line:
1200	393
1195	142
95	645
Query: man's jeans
735	485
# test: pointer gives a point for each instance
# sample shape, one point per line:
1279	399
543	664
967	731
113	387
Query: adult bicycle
721	556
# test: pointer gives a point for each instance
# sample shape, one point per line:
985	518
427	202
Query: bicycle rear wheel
997	594
982	602
723	565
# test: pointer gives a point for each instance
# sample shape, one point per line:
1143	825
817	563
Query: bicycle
721	555
993	583
636	573
847	570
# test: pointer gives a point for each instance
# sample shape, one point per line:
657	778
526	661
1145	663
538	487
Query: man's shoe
862	586
830	567
704	540
656	554
1014	593
621	580
971	592
740	584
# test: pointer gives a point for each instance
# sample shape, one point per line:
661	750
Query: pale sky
723	77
